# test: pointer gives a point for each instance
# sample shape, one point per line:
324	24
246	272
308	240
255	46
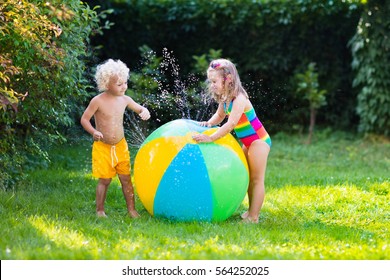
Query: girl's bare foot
134	214
101	214
249	220
245	215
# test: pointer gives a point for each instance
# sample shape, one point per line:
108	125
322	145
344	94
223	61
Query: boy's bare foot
134	214
101	214
245	215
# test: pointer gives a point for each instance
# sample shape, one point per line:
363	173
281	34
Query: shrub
44	47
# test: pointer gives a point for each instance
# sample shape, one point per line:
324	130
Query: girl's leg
101	192
245	214
257	156
128	193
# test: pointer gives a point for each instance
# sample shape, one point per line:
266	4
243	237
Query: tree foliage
43	47
308	88
371	61
269	40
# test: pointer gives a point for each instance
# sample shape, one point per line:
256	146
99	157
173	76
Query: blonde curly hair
108	69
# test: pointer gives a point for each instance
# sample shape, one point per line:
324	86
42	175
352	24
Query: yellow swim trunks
109	160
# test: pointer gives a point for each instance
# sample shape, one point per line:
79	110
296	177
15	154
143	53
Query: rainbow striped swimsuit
249	127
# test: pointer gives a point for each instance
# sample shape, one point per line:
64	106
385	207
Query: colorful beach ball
179	179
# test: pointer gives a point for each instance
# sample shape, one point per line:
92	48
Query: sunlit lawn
329	200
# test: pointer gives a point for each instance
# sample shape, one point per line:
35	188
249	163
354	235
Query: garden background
306	64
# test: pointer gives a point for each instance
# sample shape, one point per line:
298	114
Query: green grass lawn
329	200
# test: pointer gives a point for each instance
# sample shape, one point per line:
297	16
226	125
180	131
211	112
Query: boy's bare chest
112	108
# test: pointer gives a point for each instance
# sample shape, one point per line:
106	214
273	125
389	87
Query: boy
110	154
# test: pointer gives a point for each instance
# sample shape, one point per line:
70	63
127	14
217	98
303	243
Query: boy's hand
97	135
144	115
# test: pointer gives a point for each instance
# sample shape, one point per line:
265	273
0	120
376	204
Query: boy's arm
142	111
144	114
86	120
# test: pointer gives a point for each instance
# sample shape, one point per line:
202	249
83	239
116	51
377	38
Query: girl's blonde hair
226	69
108	69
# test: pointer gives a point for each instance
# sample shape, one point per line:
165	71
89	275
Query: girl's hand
205	124
202	138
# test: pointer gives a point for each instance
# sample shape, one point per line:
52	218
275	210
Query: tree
307	84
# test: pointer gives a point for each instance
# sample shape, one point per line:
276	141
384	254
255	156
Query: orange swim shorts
109	160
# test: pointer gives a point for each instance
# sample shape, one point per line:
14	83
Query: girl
233	101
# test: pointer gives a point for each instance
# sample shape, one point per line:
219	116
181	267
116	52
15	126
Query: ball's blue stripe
185	182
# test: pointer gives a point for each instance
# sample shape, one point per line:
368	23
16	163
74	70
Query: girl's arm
217	118
234	117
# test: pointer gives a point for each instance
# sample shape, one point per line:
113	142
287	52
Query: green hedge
269	41
371	60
